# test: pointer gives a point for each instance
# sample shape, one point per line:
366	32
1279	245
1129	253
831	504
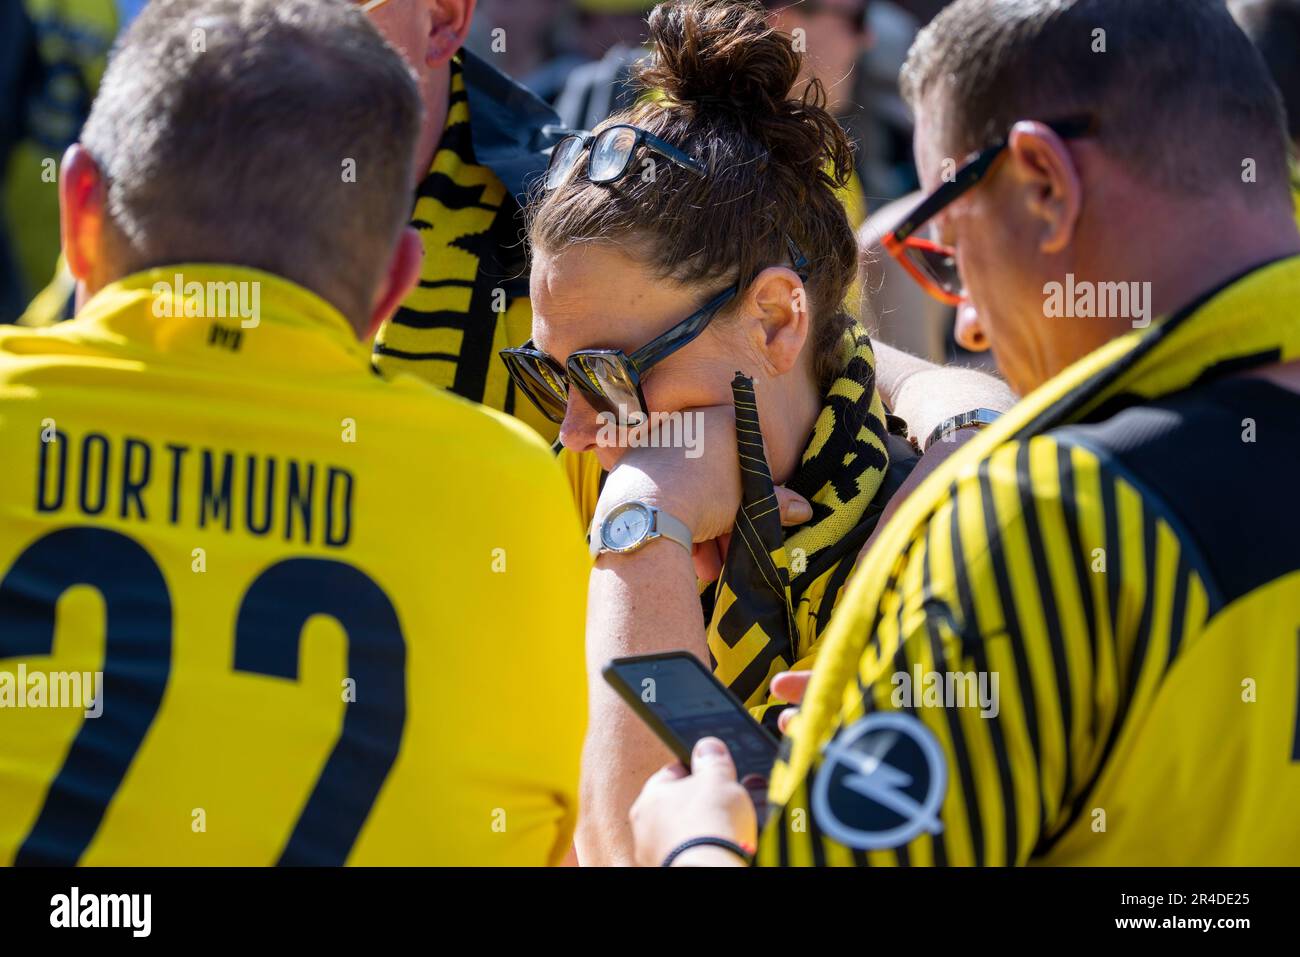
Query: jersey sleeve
1037	610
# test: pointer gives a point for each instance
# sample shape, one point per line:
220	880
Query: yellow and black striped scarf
472	297
750	610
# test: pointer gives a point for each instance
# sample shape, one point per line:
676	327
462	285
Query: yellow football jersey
327	618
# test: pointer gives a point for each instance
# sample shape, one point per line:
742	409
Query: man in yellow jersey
482	139
1077	642
249	609
481	143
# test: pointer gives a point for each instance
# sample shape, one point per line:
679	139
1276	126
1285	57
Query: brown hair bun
721	56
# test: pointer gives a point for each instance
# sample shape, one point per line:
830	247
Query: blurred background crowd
576	53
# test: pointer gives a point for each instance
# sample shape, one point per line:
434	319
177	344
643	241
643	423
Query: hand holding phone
682	702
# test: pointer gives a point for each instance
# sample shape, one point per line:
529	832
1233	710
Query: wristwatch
631	525
974	419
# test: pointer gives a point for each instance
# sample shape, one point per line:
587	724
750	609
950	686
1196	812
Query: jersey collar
216	310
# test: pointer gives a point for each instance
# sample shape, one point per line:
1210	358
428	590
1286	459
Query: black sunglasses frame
634	367
974	169
643	138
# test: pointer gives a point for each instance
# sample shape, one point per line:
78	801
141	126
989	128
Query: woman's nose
969	331
580	426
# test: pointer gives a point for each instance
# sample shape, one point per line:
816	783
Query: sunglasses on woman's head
611	154
934	265
609	379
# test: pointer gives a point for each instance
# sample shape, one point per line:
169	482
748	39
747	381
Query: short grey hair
1180	95
225	130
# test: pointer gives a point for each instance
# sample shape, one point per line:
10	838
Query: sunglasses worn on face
934	265
609	379
611	154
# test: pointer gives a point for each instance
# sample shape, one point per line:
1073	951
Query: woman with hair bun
690	264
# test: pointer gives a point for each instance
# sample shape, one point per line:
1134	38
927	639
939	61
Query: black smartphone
682	702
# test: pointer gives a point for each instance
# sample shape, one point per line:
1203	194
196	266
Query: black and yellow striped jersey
327	618
1087	653
472	297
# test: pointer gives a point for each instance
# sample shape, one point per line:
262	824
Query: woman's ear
778	301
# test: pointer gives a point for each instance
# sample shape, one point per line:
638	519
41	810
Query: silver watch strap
672	527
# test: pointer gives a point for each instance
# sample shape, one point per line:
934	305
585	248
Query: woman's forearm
925	394
639	603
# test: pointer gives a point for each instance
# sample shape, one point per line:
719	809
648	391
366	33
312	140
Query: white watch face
627	526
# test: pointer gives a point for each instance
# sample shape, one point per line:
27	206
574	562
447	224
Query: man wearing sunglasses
1119	548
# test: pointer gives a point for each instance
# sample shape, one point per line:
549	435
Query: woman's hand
676	805
703	491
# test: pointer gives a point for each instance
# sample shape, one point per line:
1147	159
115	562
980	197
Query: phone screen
693	705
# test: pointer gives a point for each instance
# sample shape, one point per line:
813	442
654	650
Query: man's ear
450	27
402	275
779	301
1046	171
83	196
